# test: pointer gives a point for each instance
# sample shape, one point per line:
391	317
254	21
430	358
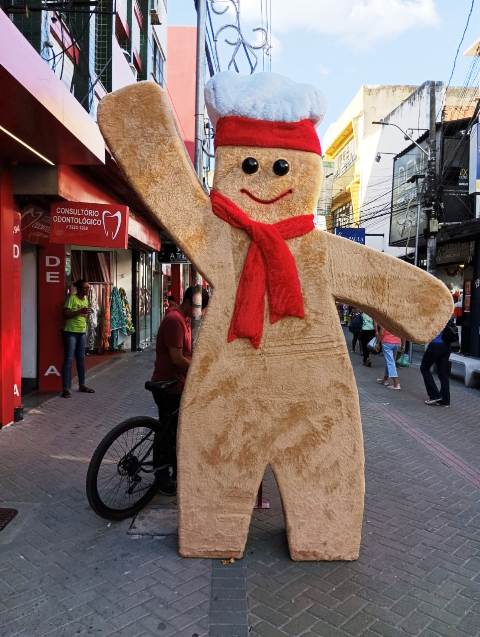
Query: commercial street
66	572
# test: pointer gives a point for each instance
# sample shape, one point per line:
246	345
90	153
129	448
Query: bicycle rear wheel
121	477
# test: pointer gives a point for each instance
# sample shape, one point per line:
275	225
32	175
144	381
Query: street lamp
413	178
378	156
407	136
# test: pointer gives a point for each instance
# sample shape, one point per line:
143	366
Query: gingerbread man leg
220	466
319	470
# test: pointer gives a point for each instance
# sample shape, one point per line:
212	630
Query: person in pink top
391	343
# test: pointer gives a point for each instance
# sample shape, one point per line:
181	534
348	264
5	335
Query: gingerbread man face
269	184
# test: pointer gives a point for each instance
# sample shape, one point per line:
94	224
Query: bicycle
134	455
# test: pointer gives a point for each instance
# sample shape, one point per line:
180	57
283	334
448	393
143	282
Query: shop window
158	64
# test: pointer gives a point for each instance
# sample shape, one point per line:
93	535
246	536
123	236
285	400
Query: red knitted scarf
269	267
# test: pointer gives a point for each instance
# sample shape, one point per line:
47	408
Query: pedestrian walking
75	312
391	344
438	354
366	334
355	327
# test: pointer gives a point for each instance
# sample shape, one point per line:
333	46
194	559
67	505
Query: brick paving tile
64	572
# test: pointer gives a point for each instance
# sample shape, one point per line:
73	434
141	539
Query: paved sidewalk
65	572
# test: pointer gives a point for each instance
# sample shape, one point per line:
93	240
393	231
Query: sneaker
433	401
66	393
397	387
382	381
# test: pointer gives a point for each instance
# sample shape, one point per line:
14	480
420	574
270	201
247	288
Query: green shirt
367	323
77	323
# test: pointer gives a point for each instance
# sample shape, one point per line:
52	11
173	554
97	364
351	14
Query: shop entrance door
29	318
144	298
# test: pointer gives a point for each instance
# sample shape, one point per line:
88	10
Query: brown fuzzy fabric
293	402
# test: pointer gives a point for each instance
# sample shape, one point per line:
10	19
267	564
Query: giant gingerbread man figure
271	381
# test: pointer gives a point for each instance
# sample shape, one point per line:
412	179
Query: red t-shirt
174	331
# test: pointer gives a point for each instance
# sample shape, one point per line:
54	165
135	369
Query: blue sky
340	45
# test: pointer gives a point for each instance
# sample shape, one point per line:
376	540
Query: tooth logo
29	217
110	218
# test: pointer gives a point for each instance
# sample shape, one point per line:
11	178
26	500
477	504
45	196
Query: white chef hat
264	109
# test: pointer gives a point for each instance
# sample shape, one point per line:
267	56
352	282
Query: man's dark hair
79	284
195	289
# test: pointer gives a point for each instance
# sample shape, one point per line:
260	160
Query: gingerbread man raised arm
271	381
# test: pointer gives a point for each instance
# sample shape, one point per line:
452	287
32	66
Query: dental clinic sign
86	224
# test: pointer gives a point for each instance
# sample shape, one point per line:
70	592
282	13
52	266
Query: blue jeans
389	353
74	345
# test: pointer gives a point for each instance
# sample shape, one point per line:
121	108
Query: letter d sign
52	261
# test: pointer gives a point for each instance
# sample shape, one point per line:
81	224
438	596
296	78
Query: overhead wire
456	55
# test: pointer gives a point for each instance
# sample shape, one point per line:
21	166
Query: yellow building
344	149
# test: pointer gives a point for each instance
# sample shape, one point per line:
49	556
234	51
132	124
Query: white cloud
358	23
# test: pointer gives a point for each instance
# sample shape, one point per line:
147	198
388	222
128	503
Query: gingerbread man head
267	150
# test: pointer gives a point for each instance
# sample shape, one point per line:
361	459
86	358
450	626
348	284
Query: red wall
10	313
181	75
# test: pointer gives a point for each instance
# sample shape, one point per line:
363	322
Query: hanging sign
87	224
354	234
35	225
171	254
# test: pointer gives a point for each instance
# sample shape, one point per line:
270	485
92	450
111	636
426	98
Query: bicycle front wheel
121	477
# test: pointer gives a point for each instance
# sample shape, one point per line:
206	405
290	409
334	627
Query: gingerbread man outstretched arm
140	130
406	300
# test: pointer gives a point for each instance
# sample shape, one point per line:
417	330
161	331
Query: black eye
250	165
281	167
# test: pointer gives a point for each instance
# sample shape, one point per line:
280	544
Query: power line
456	55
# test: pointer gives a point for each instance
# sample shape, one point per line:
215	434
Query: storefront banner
35	225
86	224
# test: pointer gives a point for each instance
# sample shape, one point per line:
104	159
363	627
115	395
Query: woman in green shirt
75	311
366	335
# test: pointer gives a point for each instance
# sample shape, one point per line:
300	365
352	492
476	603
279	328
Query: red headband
243	131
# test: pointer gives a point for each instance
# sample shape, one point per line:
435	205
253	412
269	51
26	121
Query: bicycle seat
159	385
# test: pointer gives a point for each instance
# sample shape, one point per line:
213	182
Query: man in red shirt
174	353
174	341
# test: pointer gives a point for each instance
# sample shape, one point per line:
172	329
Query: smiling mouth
266	201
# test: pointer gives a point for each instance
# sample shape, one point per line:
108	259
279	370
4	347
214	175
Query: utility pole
431	194
200	85
199	135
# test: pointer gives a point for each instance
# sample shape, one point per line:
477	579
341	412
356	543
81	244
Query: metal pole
418	227
432	222
419	207
199	133
200	86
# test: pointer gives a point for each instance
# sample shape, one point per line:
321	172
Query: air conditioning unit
133	69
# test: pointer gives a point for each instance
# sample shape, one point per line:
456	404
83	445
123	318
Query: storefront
177	273
111	267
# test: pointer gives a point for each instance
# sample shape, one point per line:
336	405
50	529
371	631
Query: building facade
54	68
351	175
